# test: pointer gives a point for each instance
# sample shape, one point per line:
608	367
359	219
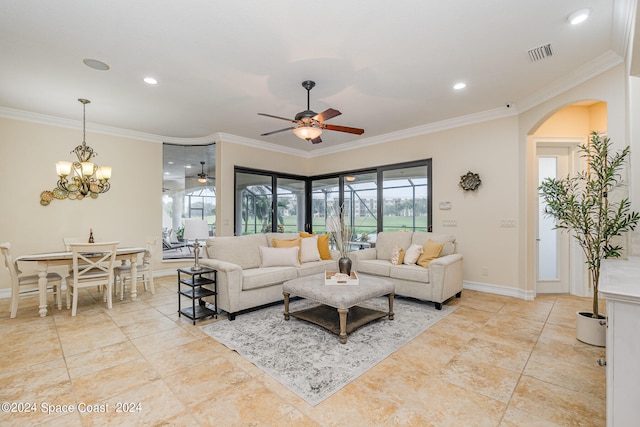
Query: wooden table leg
343	324
286	305
391	314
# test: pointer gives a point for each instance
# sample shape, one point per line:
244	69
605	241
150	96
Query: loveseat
251	269
436	280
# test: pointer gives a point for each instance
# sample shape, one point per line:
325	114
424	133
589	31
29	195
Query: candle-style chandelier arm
79	178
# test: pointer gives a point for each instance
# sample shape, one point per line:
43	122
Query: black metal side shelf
195	291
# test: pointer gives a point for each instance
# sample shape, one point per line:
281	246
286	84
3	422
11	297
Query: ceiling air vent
540	52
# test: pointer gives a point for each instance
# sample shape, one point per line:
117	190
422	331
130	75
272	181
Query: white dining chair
92	266
69	240
22	285
143	271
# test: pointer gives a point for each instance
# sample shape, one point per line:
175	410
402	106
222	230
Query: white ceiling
387	66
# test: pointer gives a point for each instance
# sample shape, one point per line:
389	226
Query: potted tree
581	205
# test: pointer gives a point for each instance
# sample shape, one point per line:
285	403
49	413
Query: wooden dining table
50	259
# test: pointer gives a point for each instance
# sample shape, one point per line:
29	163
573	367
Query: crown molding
262	145
434	127
588	71
582	74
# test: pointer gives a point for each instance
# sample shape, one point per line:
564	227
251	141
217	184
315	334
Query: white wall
128	213
488	149
609	87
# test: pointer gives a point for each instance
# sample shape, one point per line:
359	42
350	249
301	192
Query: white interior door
552	272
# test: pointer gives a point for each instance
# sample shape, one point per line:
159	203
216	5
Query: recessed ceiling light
95	64
459	86
150	81
578	16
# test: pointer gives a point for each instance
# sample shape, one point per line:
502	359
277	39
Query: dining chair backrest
11	266
152	244
93	262
25	284
69	240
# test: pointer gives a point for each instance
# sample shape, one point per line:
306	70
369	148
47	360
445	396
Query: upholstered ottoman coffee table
344	298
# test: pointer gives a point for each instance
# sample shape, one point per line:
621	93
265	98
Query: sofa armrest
355	256
445	275
229	279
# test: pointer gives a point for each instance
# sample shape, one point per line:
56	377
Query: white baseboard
474	286
499	290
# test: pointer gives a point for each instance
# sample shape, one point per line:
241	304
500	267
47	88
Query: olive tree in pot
581	205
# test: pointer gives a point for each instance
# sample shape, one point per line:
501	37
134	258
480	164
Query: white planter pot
591	331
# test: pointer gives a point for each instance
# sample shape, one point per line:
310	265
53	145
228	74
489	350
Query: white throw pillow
395	255
412	254
309	249
279	257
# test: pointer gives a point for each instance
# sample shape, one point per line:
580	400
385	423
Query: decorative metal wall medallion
470	181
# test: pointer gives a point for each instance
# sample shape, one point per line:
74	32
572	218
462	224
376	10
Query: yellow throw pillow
401	256
281	243
323	244
430	251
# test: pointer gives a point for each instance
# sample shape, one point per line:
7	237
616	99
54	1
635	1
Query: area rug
308	359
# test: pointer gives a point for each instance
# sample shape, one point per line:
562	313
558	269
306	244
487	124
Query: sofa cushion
387	240
239	250
279	257
414	273
256	278
316	267
377	267
412	254
430	251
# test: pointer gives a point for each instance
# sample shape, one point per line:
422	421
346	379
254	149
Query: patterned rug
308	359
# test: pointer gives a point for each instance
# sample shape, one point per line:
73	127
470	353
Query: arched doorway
558	264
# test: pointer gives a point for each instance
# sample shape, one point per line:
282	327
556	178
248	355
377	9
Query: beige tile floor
496	361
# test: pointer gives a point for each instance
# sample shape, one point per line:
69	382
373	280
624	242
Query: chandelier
80	178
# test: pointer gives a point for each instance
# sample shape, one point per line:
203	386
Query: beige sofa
439	282
243	283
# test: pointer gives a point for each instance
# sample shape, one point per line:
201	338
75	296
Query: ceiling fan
203	177
309	124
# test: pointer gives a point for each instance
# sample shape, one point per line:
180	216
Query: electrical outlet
484	271
507	223
449	223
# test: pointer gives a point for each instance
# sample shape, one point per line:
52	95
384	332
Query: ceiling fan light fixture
307	132
202	180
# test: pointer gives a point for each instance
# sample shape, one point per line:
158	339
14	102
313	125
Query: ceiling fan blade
347	129
327	114
276	117
316	140
276	131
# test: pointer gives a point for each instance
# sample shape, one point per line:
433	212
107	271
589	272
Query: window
361	204
406	199
188	191
393	197
267	201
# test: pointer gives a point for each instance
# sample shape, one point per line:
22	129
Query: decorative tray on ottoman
335	278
